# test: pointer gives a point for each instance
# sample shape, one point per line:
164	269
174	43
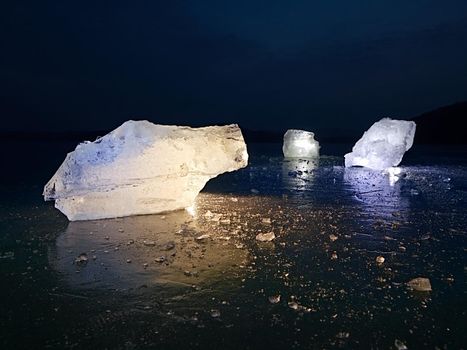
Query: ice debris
399	344
300	144
380	259
265	237
420	284
383	145
143	168
82	259
274	299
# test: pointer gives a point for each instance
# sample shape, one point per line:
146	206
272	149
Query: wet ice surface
202	279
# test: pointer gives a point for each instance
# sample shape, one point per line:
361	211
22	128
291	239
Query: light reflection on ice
147	250
191	210
393	174
376	189
298	174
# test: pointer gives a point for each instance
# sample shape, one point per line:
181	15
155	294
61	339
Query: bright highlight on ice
393	173
383	145
300	144
143	168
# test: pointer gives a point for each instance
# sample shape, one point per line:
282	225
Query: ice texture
143	168
300	144
383	145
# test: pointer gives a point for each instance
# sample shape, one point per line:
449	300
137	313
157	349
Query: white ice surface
383	145
143	168
300	144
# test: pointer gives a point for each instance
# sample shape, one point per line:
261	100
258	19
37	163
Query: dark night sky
72	65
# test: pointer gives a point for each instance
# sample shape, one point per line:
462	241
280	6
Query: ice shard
383	145
143	168
300	144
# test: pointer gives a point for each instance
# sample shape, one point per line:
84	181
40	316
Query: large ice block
383	145
143	168
300	144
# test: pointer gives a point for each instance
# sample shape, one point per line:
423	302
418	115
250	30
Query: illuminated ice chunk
300	144
383	145
143	168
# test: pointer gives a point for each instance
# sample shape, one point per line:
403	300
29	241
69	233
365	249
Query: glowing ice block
383	145
143	168
300	144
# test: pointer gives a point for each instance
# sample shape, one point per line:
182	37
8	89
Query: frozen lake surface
200	279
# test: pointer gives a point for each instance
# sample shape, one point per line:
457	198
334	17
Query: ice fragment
143	168
300	144
383	145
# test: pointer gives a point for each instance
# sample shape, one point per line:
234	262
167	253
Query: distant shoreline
440	126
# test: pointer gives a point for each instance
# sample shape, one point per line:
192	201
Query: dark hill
445	125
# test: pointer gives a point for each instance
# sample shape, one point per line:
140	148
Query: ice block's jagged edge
300	144
182	158
383	145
